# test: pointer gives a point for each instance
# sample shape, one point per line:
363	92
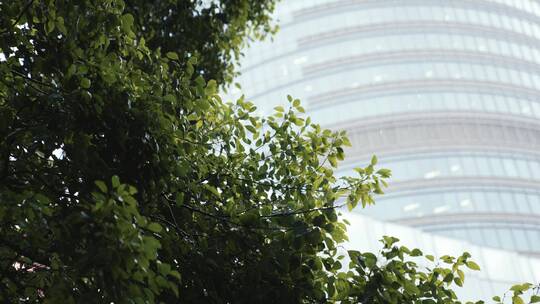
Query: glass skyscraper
445	92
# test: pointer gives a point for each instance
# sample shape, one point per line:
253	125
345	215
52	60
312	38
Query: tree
125	178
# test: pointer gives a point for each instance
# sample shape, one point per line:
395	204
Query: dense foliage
124	177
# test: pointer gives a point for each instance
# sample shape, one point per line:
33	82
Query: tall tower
445	92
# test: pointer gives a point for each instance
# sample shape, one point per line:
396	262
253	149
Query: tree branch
303	211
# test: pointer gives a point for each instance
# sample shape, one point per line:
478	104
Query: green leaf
172	55
115	181
384	173
350	205
461	274
175	274
154	227
370	259
127	22
49	26
279	109
251	129
101	185
85	83
169	98
416	252
521	287
389	240
60	25
333	161
179	199
472	265
517	300
213	190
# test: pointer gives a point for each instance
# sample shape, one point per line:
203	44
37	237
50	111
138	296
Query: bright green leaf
85	83
172	55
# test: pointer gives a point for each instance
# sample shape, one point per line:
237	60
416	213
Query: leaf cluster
98	100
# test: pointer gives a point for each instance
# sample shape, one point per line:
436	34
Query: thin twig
303	211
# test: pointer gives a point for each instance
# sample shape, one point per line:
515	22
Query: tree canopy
125	178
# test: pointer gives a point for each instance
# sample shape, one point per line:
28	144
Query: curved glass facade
445	93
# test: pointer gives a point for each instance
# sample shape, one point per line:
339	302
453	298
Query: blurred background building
445	92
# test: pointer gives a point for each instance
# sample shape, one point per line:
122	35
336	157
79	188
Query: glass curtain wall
445	93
